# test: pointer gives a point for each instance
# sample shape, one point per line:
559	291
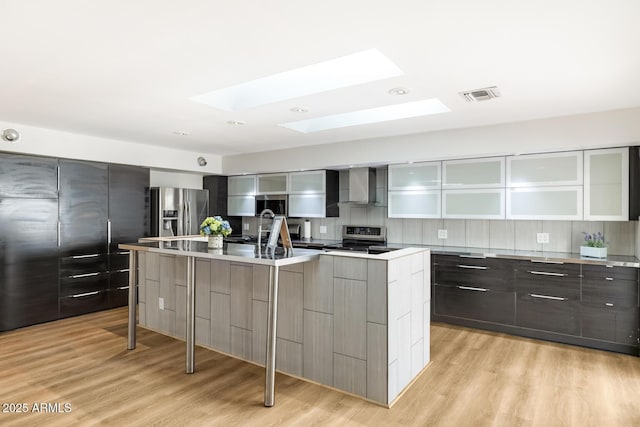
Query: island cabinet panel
610	304
548	296
341	320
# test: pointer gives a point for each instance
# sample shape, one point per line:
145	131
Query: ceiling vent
483	94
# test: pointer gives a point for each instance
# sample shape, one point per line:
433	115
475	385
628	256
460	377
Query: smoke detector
483	94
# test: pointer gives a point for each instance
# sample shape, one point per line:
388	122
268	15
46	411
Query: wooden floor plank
475	379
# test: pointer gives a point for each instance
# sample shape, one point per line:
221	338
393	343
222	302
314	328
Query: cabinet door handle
540	261
109	232
79	276
548	297
608	304
545	273
85	256
473	256
609	279
86	294
471	288
59	234
472	267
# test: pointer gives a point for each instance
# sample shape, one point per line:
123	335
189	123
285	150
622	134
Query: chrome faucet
271	215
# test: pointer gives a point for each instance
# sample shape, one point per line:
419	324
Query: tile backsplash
623	237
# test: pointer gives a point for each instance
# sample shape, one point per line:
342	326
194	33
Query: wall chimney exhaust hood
362	185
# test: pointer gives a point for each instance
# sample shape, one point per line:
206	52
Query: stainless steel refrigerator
177	211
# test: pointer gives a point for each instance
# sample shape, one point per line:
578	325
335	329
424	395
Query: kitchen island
355	322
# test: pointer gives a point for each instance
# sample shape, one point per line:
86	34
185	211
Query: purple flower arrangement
595	240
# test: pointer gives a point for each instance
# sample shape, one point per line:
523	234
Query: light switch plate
161	303
442	234
542	237
245	226
323	229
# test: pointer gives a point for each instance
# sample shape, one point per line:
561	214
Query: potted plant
593	246
215	228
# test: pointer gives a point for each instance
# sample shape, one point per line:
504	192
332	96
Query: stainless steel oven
276	202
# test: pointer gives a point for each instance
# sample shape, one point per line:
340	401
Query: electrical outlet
323	229
442	234
161	303
245	226
542	237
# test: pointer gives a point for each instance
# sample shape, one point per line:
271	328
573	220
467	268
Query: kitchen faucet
271	215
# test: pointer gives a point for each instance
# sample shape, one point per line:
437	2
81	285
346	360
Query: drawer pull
548	297
124	270
609	279
472	267
78	276
86	294
608	304
473	256
545	273
471	288
122	288
539	261
85	256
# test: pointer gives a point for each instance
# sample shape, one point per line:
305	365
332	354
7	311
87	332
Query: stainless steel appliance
277	203
362	238
177	211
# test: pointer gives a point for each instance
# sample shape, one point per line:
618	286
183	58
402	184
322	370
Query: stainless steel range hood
362	185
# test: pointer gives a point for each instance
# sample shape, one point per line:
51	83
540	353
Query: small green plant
595	240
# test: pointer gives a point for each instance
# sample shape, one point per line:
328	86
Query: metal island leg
191	315
272	321
133	293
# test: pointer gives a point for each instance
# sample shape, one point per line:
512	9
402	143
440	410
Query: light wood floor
475	379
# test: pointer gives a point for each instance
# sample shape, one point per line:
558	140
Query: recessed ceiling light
299	110
235	122
373	115
181	133
357	68
398	91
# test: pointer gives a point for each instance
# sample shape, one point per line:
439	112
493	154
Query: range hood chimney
362	185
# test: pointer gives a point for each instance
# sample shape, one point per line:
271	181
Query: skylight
373	115
361	67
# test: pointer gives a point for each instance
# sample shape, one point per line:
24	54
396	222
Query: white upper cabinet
551	169
414	176
606	184
273	183
242	185
307	205
546	203
307	182
474	173
414	204
241	205
474	204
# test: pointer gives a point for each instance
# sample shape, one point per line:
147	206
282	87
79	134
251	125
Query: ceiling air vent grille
483	94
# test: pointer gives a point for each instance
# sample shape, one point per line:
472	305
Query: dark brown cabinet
610	304
548	296
473	288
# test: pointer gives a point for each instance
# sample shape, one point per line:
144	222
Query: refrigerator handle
59	242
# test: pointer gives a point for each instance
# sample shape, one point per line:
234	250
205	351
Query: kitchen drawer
82	303
118	279
118	297
119	260
82	264
611	293
609	324
81	284
553	315
490	273
557	280
475	304
606	272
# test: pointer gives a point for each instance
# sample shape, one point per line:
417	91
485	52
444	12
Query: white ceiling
126	69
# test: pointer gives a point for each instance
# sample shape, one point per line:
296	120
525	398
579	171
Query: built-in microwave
276	202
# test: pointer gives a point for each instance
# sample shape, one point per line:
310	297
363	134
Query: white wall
596	130
175	179
54	143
